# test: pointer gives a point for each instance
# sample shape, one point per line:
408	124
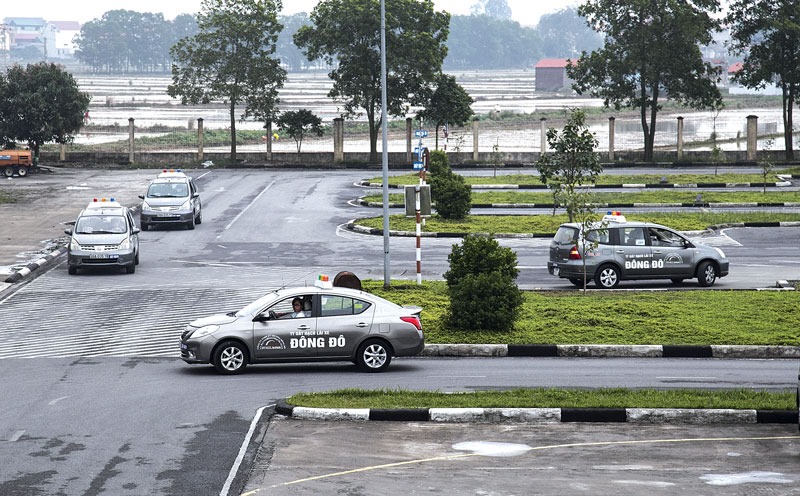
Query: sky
526	12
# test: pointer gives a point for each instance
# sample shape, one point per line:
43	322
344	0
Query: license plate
555	271
102	255
168	216
184	347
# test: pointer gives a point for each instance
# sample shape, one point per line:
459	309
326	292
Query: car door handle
303	327
657	252
362	324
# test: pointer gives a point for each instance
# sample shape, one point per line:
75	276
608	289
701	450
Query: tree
768	34
40	104
450	104
492	8
230	59
573	162
565	34
298	123
346	35
651	47
485	42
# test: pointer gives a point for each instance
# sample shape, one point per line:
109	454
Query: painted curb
18	275
544	415
608	351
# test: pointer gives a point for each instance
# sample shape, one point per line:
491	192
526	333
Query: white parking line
247	207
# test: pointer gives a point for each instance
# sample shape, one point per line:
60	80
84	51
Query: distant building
52	40
734	88
551	75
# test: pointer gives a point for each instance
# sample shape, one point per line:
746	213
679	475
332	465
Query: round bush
484	302
452	196
480	255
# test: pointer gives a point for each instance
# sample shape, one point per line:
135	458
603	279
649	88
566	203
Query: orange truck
15	162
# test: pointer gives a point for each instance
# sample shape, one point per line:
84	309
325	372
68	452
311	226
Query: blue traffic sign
421	133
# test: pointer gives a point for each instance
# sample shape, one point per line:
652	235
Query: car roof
103	206
612	225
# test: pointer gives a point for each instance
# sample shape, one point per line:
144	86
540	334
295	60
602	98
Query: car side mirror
68	231
196	195
141	196
136	230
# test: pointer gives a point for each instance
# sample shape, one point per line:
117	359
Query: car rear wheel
8	171
607	277
706	274
373	356
22	171
230	357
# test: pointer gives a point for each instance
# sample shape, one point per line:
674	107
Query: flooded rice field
117	99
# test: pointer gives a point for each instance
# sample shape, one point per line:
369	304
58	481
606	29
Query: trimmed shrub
480	255
451	195
439	165
482	286
484	302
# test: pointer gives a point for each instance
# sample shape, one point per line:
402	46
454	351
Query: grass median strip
738	399
716	317
547	224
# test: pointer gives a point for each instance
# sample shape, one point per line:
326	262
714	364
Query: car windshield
101	224
566	235
257	305
168	190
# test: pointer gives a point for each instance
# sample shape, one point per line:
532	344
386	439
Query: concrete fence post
130	140
752	137
62	154
475	140
680	137
409	132
338	139
543	136
200	138
268	130
611	130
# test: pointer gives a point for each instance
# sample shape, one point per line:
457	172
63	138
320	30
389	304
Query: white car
330	324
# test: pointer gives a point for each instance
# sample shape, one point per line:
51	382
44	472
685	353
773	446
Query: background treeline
123	41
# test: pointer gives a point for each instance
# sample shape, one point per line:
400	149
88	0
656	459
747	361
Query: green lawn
547	224
711	317
617	198
740	399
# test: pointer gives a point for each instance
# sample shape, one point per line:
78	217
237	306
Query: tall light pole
384	151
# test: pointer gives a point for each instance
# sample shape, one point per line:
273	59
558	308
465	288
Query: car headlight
73	245
125	245
145	205
205	331
186	205
721	253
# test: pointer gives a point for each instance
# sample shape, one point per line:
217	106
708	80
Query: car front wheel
373	356
607	277
230	358
706	274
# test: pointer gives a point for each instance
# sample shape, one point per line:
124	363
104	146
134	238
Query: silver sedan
306	324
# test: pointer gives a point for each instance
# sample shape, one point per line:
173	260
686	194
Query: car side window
566	235
633	236
663	237
342	305
599	236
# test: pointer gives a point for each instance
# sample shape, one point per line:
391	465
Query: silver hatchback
306	323
617	250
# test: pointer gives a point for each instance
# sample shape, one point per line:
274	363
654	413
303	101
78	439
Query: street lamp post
384	151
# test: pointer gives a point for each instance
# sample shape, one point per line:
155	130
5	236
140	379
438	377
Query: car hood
166	202
100	239
218	319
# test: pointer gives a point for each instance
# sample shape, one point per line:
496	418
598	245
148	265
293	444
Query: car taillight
574	254
413	320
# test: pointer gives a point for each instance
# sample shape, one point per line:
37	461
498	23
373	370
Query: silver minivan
615	250
104	235
172	198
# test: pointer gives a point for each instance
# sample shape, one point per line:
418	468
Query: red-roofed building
551	75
